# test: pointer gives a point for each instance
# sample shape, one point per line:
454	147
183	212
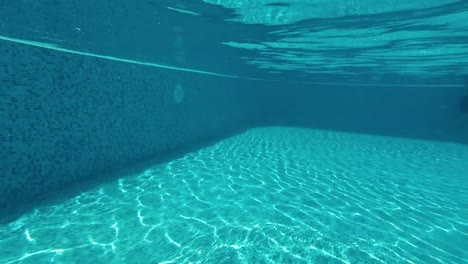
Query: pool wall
68	118
431	112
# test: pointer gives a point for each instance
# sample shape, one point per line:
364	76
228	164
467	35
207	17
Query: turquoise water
399	42
269	195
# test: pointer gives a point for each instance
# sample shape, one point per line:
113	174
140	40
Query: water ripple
270	195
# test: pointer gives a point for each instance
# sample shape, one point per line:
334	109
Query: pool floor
269	195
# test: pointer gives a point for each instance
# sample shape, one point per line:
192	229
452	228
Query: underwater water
323	172
269	195
421	42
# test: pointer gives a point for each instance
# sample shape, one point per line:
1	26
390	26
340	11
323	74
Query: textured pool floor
270	195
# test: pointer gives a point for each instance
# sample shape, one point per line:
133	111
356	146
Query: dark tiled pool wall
66	117
431	113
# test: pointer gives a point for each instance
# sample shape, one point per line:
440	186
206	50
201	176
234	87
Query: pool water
269	195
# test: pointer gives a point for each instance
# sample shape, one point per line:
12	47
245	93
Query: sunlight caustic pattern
270	195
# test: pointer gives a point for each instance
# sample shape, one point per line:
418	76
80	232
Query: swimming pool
224	131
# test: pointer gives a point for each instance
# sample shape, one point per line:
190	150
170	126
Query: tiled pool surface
270	195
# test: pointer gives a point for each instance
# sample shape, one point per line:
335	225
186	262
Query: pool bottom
270	195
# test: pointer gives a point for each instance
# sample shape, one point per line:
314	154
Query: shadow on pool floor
13	211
